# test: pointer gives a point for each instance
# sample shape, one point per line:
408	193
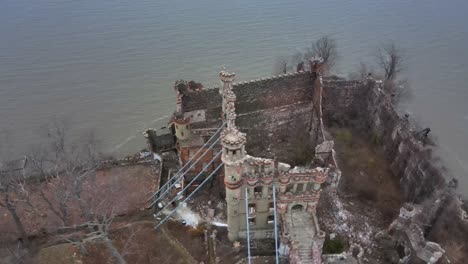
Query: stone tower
233	142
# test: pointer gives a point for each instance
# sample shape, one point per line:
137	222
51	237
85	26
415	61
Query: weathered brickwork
274	112
278	106
203	157
342	99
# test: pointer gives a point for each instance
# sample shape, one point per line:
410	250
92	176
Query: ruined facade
263	117
407	228
267	112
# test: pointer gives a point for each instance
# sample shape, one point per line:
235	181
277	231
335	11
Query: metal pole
190	195
188	185
182	175
276	226
247	221
188	162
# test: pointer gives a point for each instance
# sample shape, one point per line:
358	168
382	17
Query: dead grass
124	189
138	243
59	254
366	173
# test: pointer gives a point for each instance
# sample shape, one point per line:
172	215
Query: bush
334	246
344	137
366	193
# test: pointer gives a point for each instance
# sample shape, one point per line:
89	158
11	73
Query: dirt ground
133	234
140	243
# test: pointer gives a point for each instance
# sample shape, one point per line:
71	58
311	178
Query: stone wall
363	105
410	159
272	111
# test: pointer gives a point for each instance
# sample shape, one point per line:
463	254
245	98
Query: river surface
109	65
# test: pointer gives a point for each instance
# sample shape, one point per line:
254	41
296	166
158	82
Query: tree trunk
19	225
52	208
114	252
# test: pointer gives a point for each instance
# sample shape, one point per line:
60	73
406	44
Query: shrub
333	246
344	137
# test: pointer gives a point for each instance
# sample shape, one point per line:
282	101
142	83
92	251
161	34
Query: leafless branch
390	60
280	66
325	47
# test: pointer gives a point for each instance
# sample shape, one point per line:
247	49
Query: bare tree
63	165
390	59
13	194
363	71
62	175
280	66
66	166
297	59
361	74
325	47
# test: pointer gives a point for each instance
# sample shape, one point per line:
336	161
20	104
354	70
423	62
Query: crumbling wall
410	159
363	105
272	111
342	101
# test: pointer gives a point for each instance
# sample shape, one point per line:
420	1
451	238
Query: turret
233	142
181	127
316	64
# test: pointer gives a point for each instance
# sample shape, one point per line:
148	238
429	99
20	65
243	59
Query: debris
211	212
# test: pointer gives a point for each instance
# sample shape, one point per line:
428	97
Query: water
109	65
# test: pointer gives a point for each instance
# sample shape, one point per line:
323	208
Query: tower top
232	138
226	77
316	64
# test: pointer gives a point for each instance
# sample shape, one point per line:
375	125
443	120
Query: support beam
276	224
188	197
247	221
188	185
187	163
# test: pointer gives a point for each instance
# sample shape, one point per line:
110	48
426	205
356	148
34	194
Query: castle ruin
250	182
266	126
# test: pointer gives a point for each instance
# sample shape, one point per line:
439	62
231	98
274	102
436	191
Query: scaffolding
171	183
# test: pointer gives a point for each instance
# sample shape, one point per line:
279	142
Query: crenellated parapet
232	138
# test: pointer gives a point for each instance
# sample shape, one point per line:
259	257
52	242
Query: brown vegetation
366	173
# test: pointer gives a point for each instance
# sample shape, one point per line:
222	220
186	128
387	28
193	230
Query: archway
297	208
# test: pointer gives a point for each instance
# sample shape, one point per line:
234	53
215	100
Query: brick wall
342	99
186	153
272	111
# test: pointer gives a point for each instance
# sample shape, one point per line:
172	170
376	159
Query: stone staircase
301	234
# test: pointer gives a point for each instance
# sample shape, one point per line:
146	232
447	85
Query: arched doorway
297	208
